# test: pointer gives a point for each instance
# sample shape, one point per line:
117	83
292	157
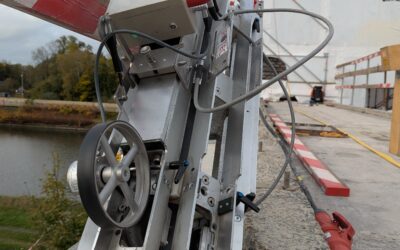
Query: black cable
288	150
217	9
206	37
292	138
213	13
266	125
214	10
285	149
136	33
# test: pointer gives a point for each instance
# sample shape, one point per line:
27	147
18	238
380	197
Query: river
26	155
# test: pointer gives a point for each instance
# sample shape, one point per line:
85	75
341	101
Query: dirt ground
286	220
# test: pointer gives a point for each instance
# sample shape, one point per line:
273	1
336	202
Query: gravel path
286	221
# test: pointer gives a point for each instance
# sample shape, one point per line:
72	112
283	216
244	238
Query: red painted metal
75	14
193	3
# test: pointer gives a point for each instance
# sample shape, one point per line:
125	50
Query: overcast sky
21	33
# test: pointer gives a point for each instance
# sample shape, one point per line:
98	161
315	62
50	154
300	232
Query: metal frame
160	109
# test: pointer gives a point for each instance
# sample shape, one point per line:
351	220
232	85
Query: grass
16	223
12	245
15	217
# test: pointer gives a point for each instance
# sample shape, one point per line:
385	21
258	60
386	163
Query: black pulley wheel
113	167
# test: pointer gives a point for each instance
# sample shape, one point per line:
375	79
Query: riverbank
20	102
62	116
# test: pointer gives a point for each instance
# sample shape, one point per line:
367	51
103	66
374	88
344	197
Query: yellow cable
384	156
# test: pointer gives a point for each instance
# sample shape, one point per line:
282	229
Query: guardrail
389	61
354	69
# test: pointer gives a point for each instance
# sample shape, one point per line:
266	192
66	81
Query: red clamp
193	3
338	231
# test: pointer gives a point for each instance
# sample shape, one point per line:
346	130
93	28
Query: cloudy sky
21	33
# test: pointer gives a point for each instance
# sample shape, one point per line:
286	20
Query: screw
122	208
173	26
145	49
211	201
182	63
238	218
206	179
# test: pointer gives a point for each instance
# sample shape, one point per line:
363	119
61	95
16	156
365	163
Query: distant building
20	90
361	28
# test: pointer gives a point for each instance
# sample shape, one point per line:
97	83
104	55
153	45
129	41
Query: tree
9	85
41	55
86	87
59	220
63	69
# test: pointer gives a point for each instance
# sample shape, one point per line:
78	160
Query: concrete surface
374	202
376	112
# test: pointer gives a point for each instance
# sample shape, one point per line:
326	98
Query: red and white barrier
331	185
371	86
366	58
360	60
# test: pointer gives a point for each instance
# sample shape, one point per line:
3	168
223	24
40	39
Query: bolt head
123	174
211	201
238	218
145	49
173	26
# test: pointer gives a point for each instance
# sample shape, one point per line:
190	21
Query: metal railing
353	69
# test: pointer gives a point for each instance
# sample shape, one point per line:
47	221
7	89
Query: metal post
286	180
367	82
354	83
341	89
368	98
22	84
326	70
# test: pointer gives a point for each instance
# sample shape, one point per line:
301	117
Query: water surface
27	154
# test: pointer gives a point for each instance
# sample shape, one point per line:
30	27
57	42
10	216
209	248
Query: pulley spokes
113	165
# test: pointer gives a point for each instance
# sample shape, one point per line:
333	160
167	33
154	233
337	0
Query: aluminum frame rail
188	215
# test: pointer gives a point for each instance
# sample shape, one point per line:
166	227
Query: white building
361	28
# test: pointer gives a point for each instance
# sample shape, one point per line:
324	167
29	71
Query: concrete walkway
374	203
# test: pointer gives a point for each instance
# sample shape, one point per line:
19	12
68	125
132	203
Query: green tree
9	85
63	69
86	87
59	220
